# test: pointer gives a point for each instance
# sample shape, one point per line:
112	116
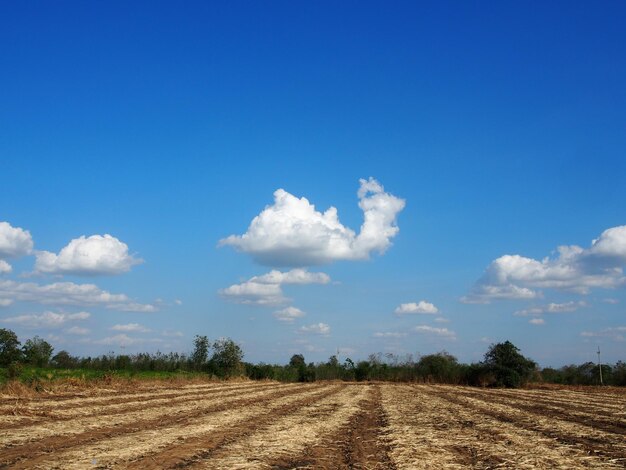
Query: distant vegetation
503	366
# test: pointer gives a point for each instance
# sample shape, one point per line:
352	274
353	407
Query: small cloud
267	289
536	321
422	307
389	334
128	327
615	333
610	301
441	332
124	340
288	314
316	329
5	302
77	330
178	302
442	320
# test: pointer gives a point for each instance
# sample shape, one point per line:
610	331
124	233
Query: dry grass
231	425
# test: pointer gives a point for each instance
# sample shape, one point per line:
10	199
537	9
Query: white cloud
68	293
291	232
125	340
574	269
610	301
267	289
5	302
442	320
14	241
46	319
536	321
77	330
615	333
95	255
131	327
316	329
389	334
442	332
552	307
288	314
5	267
420	307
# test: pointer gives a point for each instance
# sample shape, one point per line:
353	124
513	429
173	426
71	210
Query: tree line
503	365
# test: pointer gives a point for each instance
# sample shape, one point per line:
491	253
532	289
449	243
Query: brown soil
315	426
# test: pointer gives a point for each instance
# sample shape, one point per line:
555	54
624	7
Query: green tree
64	360
509	367
37	351
200	352
441	368
9	348
227	358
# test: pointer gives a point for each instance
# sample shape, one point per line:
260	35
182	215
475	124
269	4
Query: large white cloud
94	255
69	293
267	289
291	232
46	319
421	307
574	269
14	241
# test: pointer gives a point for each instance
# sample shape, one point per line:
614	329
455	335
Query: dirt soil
241	425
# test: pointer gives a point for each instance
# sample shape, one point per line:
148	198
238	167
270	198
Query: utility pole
600	366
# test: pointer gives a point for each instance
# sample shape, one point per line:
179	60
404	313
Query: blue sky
494	133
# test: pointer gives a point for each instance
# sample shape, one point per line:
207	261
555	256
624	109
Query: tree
441	368
297	360
200	352
9	348
509	367
227	358
64	360
37	351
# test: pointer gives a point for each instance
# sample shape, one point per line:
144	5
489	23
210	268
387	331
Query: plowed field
321	425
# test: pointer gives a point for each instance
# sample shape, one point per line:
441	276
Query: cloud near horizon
69	293
575	269
46	319
291	232
92	256
267	288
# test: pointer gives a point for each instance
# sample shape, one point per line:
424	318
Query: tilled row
35	440
595	446
432	427
189	441
124	406
610	421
